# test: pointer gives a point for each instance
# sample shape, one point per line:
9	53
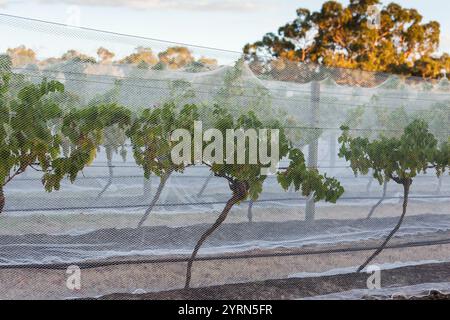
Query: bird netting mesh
130	218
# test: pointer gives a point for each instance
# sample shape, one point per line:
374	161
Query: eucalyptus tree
341	35
399	159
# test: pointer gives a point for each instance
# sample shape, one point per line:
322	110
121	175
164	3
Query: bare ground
34	283
306	287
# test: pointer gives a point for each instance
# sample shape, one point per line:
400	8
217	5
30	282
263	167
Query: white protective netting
93	220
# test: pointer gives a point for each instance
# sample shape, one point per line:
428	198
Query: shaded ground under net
300	288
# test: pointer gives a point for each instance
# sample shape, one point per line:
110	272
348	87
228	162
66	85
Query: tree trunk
369	184
155	199
310	209
406	185
379	201
147	190
240	191
2	200
439	187
200	193
110	172
250	211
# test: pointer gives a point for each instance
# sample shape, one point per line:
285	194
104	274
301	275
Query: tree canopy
399	159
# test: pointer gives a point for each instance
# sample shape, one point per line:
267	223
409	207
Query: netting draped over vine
93	218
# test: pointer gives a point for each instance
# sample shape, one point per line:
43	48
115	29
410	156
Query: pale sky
226	24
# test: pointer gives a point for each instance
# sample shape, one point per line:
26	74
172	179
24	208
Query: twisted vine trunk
147	190
369	184
379	201
205	184
406	186
250	211
2	200
155	199
439	187
110	173
240	191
